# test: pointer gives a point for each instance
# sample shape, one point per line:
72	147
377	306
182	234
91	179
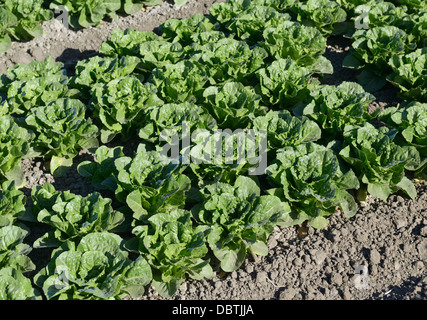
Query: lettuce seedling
72	216
94	268
175	247
311	179
240	220
378	161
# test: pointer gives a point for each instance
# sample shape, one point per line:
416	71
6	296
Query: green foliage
15	145
240	220
62	131
94	268
84	14
13	251
174	247
21	20
410	119
12	203
409	75
72	216
119	106
371	51
311	179
378	162
334	107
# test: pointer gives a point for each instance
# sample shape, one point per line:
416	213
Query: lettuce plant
181	30
372	49
72	216
230	60
325	15
378	161
250	24
13	251
305	45
15	145
410	119
7	21
103	172
380	13
101	70
334	107
223	155
62	131
119	106
418	28
15	286
35	84
94	268
175	247
126	42
21	20
166	122
283	84
283	129
409	75
311	179
149	183
240	220
233	105
180	82
84	14
133	6
12	203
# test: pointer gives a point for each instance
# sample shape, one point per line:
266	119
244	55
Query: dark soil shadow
70	57
409	286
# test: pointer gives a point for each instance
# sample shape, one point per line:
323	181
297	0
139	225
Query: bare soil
380	254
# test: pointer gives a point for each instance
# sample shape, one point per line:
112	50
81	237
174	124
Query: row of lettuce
21	20
246	67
